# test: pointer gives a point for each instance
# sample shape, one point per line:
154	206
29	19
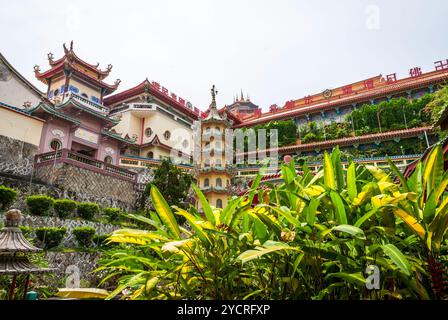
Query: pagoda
213	173
14	250
76	120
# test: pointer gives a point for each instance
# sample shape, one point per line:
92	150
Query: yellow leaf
411	222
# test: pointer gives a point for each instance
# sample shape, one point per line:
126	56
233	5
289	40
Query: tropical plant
172	182
314	236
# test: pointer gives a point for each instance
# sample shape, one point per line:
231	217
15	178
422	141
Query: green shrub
84	235
39	205
88	210
64	207
50	237
112	213
7	197
101	240
26	231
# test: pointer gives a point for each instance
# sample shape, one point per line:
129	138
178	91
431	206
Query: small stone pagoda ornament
14	251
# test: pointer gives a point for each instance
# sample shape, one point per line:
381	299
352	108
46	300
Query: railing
87	102
83	161
141	162
400	161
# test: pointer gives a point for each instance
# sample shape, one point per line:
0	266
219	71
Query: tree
172	182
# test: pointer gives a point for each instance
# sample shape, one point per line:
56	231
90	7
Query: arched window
217	130
185	143
218	145
218	163
218	182
108	160
207	130
84	95
55	144
148	132
218	203
207	163
206	182
150	155
167	135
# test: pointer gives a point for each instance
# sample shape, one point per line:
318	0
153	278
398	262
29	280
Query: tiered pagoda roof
71	62
14	246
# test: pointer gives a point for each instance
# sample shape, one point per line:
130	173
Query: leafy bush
113	214
50	236
26	231
101	240
39	205
88	210
64	207
309	237
7	197
84	235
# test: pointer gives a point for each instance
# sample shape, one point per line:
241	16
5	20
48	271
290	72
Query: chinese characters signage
86	135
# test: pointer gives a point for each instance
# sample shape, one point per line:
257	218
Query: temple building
243	107
83	136
213	172
75	118
159	121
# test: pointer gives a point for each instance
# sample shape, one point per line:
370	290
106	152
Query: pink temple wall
65	133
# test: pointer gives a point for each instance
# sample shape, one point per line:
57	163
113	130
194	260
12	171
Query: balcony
87	103
79	160
142	162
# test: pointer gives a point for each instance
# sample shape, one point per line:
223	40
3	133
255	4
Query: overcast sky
273	50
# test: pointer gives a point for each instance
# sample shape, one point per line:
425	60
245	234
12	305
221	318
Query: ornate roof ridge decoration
25	112
70	61
11	237
53	111
146	87
118	136
72	101
400	85
356	139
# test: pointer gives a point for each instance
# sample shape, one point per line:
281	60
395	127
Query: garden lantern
14	251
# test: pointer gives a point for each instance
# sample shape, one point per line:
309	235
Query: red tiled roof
433	77
141	88
405	133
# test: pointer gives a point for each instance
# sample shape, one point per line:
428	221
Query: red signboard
391	78
347	89
441	65
415	72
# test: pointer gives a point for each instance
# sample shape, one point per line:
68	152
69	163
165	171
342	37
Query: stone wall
84	185
16	157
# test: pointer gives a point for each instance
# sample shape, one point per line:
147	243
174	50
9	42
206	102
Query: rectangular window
95	99
73	89
61	91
